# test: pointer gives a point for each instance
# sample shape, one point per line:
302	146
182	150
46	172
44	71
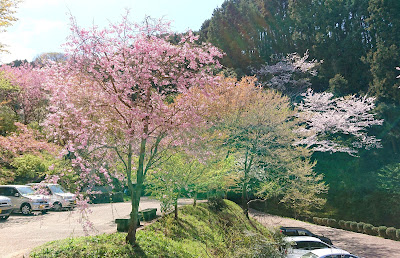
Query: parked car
300	245
103	194
59	198
328	253
5	207
297	231
24	199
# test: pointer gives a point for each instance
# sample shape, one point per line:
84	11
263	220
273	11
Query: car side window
304	245
6	191
317	245
291	233
302	233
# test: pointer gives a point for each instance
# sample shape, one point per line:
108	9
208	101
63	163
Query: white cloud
31	37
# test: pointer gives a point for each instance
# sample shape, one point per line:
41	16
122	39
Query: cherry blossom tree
125	93
289	75
337	124
23	141
28	98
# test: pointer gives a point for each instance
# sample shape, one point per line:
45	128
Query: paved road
356	243
19	234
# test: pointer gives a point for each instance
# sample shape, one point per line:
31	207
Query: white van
59	198
24	199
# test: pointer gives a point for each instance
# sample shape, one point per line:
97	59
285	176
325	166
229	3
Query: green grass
208	230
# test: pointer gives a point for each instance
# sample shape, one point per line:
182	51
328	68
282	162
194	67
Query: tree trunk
244	199
195	199
136	193
176	209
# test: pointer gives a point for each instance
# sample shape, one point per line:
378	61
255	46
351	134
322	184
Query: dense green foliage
358	42
200	232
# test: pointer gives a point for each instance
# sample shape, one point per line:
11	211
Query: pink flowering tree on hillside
125	96
28	99
337	124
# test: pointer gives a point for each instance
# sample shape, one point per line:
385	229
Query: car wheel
57	206
26	209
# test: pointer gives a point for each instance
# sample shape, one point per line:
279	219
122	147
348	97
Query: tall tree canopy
125	93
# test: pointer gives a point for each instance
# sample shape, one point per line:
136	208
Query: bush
398	234
391	233
325	221
342	224
360	227
375	231
367	229
216	203
382	231
353	226
347	225
315	220
332	223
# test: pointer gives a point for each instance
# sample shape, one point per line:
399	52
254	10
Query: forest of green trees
358	42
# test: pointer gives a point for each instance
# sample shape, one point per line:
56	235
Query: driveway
359	244
19	234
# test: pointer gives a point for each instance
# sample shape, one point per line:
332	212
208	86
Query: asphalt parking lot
19	234
359	244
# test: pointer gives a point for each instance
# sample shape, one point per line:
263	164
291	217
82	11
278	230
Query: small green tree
181	173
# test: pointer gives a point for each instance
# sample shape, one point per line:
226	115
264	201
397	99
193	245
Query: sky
43	25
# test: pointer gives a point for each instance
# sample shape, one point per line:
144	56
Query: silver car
58	197
24	199
5	207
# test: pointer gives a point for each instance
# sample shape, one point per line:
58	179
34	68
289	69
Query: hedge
391	233
367	229
382	231
332	223
353	226
360	227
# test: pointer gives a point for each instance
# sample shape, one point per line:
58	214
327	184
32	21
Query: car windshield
25	190
56	189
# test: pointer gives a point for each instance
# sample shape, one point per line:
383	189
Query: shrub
216	203
391	233
382	231
367	229
315	220
332	223
375	231
398	234
325	221
353	226
360	227
342	224
347	225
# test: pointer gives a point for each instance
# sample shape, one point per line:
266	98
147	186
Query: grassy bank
214	229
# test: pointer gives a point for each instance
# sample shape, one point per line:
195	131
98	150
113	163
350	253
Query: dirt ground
359	244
